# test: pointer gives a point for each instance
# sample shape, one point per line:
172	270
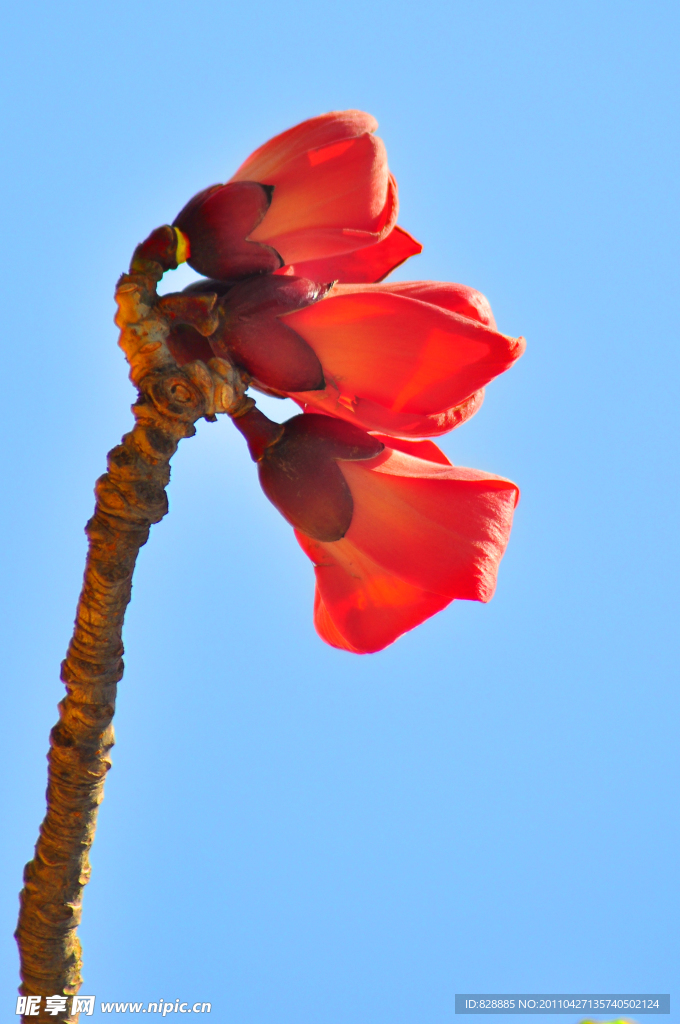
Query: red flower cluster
294	245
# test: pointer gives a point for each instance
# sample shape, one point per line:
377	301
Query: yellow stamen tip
183	247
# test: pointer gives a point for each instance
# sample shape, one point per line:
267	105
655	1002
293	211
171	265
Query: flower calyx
255	336
298	470
251	330
218	222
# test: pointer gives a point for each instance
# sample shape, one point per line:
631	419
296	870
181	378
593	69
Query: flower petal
327	629
359	606
372	263
441	528
457	298
372	416
422	533
404	354
426	450
323	207
315	133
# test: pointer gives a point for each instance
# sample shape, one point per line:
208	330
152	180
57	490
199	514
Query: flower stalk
130	497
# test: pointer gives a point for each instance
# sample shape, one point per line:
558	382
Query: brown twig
130	497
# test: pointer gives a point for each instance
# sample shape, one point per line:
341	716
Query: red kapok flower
395	531
408	359
310	201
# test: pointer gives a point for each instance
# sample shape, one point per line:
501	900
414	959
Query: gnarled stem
130	497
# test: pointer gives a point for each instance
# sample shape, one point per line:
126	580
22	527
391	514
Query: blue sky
299	835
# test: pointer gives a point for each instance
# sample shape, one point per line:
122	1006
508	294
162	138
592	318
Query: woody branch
130	497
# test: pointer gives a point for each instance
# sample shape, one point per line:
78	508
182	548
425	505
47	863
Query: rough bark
130	497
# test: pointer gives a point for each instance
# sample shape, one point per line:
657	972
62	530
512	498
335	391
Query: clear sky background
300	835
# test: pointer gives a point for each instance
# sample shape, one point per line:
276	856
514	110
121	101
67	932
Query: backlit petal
371	263
327	629
322	207
422	533
441	528
404	354
315	133
359	606
457	298
426	450
372	416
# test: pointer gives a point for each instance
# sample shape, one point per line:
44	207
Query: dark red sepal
209	286
309	491
186	344
300	475
160	246
337	438
255	338
217	222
